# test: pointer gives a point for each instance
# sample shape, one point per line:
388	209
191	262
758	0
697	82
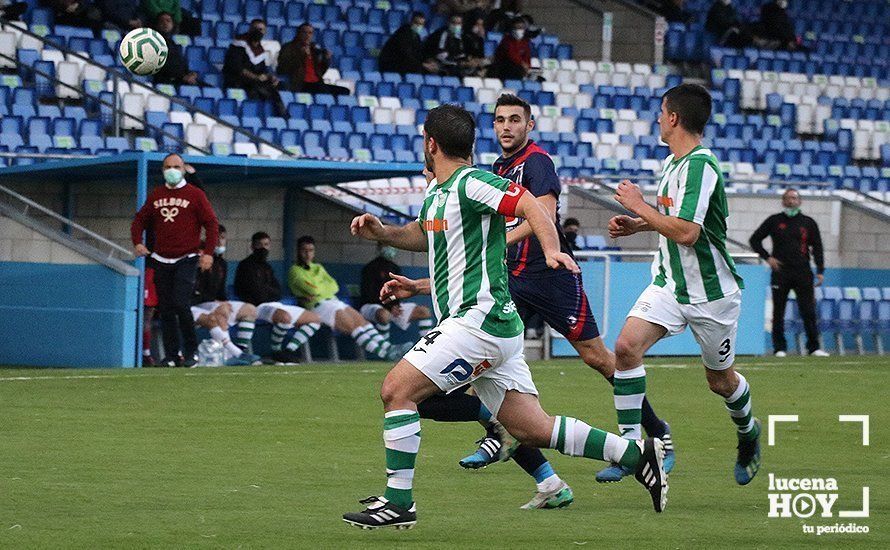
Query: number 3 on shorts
725	348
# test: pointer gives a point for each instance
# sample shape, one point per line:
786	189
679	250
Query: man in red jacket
176	212
513	56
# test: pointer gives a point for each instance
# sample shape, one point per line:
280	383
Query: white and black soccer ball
143	51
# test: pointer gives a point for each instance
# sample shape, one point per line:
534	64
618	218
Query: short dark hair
453	128
510	100
305	24
222	228
305	239
258	236
163	13
417	14
571	221
692	103
257	20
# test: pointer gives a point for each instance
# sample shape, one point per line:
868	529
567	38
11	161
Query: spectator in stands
212	309
75	13
12	11
794	236
246	66
468	8
256	284
176	69
122	14
776	25
403	52
503	13
448	47
317	291
305	63
513	57
176	212
673	11
382	315
570	228
723	22
186	23
474	45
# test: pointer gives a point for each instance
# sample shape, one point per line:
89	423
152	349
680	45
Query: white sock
222	337
549	484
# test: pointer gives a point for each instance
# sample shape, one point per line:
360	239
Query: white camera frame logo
803	498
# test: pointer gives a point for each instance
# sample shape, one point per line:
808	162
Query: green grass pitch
271	457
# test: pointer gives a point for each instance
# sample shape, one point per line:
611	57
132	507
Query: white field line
203	372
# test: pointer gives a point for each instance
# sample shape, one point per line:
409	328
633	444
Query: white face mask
783	4
220	250
727	2
172	177
518	34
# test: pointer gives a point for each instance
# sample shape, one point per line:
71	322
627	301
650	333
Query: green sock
401	436
279	331
244	333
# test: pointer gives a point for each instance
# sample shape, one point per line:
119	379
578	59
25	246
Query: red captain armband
507	207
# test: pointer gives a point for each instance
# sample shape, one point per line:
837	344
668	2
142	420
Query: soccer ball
143	51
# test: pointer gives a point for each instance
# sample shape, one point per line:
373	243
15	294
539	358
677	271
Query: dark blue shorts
559	300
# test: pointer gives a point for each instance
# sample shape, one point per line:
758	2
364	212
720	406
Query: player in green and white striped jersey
694	283
479	339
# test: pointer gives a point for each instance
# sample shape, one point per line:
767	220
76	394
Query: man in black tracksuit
793	235
255	281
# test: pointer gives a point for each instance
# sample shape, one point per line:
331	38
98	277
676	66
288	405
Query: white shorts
403	320
714	324
454	354
264	312
206	308
328	309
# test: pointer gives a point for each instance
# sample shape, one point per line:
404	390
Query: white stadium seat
7	50
132	104
382	115
68	75
242	148
221	134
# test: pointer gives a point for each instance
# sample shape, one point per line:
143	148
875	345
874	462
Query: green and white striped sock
279	331
383	329
244	334
739	406
424	326
575	438
302	335
401	436
371	341
630	389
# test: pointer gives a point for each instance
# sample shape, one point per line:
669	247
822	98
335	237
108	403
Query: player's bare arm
401	288
542	225
407	237
524	230
624	226
680	231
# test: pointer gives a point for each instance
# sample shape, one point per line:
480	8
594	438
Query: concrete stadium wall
60	308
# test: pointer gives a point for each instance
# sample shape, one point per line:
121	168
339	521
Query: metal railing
28	207
117	76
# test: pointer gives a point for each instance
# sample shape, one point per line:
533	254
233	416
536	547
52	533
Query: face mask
571	236
518	34
255	35
791	212
455	30
172	176
727	2
219	250
418	29
782	4
388	252
261	254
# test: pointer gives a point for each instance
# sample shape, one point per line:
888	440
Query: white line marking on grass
168	374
